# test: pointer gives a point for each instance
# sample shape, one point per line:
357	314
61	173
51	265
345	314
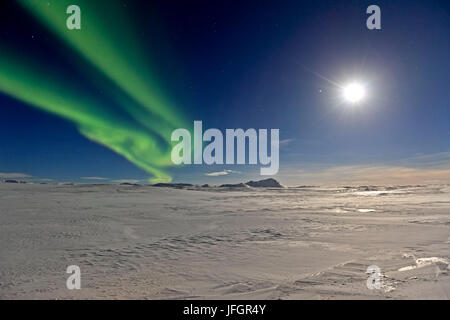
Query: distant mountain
235	185
14	181
306	186
173	185
10	181
266	183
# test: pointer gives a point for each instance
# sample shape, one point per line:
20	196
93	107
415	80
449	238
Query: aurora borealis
106	41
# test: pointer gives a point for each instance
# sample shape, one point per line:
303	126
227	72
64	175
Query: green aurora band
143	135
27	83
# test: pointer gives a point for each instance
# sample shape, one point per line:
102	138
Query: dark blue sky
236	64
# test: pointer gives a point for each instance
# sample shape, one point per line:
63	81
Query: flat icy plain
145	242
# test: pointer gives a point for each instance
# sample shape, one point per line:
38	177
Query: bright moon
354	92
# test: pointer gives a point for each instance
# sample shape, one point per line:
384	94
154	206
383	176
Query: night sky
138	69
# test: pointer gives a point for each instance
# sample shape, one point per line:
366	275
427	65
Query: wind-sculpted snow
136	241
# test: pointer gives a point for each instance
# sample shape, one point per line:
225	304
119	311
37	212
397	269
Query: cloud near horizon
126	181
285	142
94	178
220	173
14	175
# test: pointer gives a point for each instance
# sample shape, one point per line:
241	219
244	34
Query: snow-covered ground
155	243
